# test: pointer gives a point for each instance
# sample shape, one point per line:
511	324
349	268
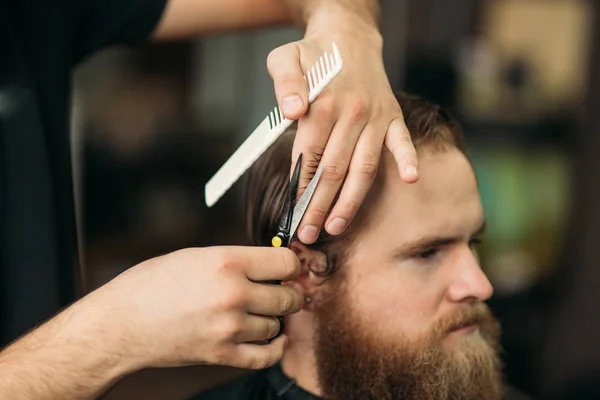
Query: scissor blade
303	202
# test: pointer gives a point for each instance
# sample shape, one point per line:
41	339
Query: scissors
293	215
295	210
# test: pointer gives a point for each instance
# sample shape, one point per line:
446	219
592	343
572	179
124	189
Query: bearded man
395	307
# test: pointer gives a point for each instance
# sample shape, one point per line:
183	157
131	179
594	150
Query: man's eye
475	242
428	254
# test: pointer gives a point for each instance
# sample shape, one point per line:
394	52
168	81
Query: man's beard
354	362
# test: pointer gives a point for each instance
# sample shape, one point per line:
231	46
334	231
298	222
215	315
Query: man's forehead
444	200
443	175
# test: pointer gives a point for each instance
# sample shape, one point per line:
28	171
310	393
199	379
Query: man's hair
431	128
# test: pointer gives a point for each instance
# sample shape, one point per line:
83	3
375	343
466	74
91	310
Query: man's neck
299	364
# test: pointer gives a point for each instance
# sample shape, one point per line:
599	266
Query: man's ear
310	260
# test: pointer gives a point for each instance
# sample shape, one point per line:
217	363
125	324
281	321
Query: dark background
152	125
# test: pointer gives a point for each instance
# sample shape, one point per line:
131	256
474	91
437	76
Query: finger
271	264
273	300
311	139
335	162
398	141
258	328
291	89
361	174
259	356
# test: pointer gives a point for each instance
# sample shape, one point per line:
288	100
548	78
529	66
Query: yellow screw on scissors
276	241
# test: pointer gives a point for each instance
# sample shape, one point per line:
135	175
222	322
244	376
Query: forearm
68	357
189	18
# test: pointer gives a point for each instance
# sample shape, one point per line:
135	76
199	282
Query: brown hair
430	126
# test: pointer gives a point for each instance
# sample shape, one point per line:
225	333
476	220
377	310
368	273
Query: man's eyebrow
429	242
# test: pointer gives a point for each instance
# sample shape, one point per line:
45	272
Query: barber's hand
348	123
202	306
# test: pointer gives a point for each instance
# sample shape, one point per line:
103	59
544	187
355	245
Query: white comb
322	73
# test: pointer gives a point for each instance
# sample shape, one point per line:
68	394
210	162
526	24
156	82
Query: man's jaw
454	360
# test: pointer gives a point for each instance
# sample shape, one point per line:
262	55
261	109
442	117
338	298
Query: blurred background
151	125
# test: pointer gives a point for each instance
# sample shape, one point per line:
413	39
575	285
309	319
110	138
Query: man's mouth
464	327
463	322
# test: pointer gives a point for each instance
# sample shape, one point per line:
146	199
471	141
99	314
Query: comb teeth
317	77
275	118
320	71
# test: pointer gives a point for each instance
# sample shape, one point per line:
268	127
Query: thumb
291	89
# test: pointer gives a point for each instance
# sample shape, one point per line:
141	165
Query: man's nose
468	280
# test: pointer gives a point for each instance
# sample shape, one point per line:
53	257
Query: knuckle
286	302
368	168
225	261
314	216
350	208
326	106
375	115
358	110
332	173
231	327
314	152
273	56
280	59
406	139
234	300
289	80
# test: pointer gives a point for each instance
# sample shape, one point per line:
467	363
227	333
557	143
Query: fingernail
309	234
275	328
411	170
291	104
337	226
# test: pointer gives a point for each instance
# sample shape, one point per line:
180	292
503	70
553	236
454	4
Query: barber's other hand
201	306
348	123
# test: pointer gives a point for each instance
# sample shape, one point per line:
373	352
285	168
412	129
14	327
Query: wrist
343	15
339	23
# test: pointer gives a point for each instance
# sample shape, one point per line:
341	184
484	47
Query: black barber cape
273	384
41	41
266	384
